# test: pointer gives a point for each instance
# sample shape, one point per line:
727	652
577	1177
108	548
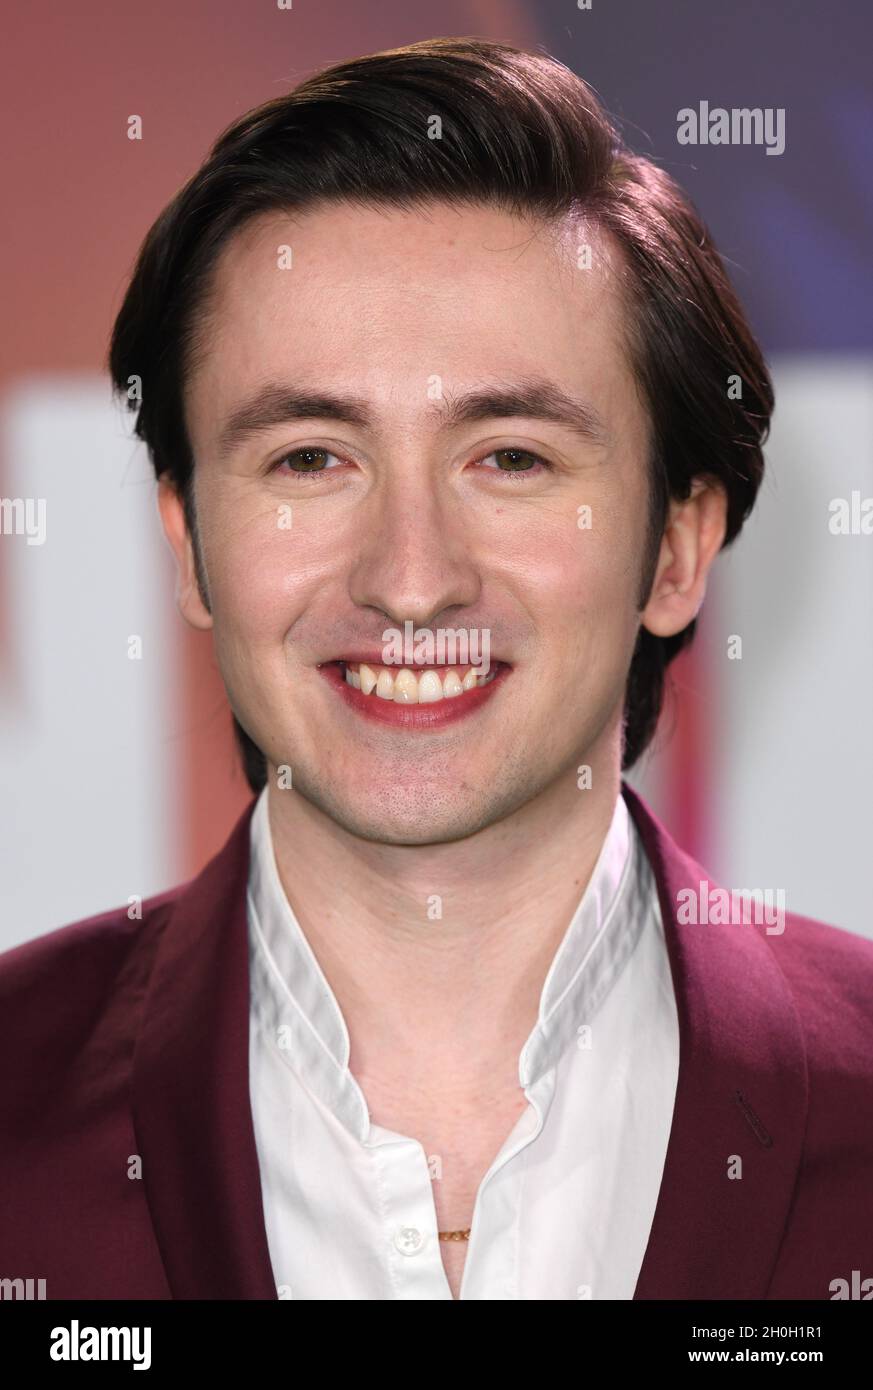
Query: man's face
417	510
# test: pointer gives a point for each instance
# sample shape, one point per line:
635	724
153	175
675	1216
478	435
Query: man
435	379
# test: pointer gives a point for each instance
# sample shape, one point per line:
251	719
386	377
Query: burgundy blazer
122	1038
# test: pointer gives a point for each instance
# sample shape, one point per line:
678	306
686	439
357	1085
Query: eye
309	460
512	462
304	462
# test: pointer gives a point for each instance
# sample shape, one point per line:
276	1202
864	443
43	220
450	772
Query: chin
417	826
413	817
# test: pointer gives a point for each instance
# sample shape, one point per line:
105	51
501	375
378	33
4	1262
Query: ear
692	538
188	596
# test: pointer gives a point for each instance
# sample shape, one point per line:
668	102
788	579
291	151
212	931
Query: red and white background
119	776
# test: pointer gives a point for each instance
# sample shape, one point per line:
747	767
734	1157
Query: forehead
383	300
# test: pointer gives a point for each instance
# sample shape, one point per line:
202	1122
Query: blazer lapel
741	1093
191	1103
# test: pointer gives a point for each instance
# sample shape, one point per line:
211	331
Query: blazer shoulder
830	972
71	966
818	946
61	984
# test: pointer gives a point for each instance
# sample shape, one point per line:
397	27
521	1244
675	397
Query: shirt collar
295	1003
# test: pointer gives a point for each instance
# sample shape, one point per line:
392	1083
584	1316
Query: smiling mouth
414	697
413	685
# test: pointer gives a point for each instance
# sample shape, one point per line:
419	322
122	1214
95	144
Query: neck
437	954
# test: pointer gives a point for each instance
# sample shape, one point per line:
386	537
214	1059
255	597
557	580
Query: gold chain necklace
454	1235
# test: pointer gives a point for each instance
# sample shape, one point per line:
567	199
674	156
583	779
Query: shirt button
409	1240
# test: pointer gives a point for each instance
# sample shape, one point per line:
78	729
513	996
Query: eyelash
513	473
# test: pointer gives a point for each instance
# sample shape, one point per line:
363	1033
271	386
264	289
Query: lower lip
431	715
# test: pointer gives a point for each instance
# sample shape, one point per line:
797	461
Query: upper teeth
407	688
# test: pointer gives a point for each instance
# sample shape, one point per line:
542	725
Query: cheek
596	607
575	566
264	570
578	586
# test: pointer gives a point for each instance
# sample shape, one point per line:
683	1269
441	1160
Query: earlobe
692	538
188	596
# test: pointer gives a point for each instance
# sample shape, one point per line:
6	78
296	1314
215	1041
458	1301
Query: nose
416	554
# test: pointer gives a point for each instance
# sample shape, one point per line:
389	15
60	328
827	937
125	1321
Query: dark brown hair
523	133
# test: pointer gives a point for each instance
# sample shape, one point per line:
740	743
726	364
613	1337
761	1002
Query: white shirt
565	1210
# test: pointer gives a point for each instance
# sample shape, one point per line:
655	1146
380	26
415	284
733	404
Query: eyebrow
535	398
